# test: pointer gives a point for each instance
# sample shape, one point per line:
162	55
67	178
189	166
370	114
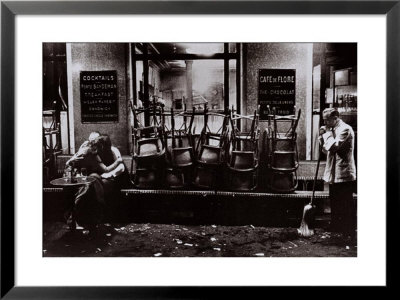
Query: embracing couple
103	162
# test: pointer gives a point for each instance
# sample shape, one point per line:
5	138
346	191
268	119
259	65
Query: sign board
276	89
99	96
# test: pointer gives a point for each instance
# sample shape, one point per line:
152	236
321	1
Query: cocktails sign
99	96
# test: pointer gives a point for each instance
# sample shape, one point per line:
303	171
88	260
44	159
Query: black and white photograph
175	149
199	149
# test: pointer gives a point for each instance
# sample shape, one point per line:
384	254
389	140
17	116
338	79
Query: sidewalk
169	240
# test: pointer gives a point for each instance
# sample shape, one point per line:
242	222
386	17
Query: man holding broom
337	141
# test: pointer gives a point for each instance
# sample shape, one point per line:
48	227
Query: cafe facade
106	87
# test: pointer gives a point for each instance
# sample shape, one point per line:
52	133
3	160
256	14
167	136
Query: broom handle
316	174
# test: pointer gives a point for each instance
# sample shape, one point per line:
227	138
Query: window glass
204	48
189	48
183	84
208	84
188	84
232	47
232	84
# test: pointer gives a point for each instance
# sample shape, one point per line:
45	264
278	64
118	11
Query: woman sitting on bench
114	173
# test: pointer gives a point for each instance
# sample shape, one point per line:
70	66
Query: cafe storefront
248	115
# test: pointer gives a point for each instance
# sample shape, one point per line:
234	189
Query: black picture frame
10	9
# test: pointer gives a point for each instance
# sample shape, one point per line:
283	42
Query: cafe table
70	187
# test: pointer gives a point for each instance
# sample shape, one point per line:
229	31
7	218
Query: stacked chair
283	159
179	150
210	151
242	155
148	146
51	145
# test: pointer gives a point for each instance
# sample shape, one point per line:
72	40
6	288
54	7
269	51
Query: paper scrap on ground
158	254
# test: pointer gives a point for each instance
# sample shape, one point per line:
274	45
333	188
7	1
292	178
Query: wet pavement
170	240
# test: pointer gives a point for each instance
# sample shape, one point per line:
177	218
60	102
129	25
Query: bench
206	206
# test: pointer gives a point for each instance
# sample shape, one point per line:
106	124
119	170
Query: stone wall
98	57
296	56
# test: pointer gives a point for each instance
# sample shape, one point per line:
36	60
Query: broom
309	209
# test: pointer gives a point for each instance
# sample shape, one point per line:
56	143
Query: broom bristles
304	230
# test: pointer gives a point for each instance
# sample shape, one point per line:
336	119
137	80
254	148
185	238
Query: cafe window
55	98
187	75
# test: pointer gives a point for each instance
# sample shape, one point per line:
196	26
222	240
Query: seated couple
104	163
